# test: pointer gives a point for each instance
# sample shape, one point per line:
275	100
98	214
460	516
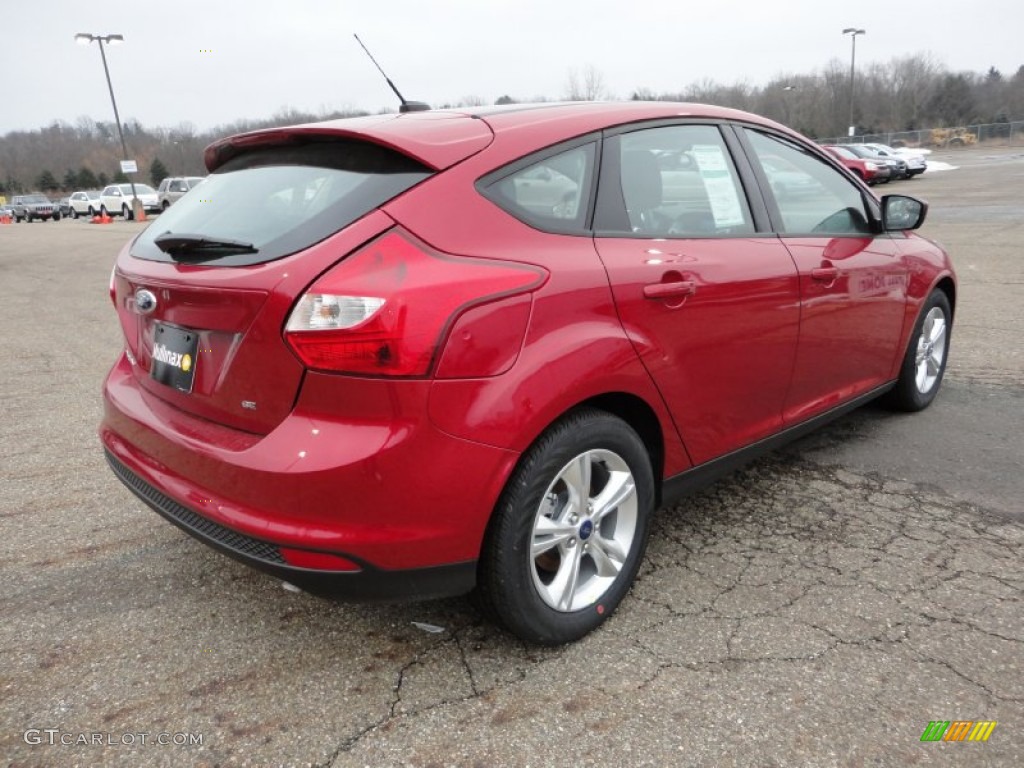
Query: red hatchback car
866	169
422	354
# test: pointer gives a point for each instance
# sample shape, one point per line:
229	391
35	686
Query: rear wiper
178	245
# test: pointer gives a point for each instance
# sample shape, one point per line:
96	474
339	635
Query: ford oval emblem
145	301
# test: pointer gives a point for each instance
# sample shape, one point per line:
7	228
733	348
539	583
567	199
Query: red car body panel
401	475
853	291
436	139
325	479
697	370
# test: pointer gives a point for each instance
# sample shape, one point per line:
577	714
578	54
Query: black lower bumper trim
369	583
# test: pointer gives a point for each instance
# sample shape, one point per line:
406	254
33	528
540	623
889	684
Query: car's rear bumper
365	583
391	506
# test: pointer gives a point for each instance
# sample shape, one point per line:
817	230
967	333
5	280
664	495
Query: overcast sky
211	62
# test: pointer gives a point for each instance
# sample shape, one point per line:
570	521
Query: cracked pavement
818	608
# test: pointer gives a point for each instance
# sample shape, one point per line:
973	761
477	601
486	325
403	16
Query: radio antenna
405	106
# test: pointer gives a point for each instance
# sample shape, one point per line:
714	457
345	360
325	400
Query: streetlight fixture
786	90
84	38
853	32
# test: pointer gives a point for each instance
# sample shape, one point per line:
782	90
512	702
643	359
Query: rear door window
675	181
284	199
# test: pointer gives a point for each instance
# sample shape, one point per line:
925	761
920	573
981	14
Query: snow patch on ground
934	165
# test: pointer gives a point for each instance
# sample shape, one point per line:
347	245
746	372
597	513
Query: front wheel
126	212
569	531
925	361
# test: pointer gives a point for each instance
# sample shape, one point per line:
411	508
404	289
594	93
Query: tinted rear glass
284	199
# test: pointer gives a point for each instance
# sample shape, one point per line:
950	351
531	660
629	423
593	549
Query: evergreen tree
158	172
87	179
46	180
102	180
120	178
70	180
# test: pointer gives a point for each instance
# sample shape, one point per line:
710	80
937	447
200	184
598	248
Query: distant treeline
904	94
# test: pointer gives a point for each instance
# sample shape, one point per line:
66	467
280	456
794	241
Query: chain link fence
991	134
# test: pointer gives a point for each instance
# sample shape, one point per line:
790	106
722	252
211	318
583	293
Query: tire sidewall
513	591
910	397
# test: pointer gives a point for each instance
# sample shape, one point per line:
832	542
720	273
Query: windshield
284	199
140	189
844	152
36	199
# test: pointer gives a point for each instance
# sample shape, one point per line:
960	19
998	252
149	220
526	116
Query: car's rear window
282	199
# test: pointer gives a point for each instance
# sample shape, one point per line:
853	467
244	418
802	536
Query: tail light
385	309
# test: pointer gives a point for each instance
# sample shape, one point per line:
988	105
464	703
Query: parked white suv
116	200
85	202
173	187
915	161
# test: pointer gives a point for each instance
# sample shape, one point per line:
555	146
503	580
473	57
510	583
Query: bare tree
589	86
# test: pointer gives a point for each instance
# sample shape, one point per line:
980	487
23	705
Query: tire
925	360
92	211
56	217
164	205
126	212
542	534
104	211
74	213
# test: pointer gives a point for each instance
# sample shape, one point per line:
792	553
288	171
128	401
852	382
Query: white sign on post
129	166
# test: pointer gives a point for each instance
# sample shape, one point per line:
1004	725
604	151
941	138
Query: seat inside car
642	190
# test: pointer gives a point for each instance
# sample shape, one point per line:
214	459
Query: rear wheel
925	361
126	212
74	213
569	531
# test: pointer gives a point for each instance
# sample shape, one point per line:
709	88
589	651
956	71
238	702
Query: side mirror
900	213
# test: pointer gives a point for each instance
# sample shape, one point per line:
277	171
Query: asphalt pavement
818	608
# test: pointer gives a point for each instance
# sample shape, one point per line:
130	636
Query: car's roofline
441	138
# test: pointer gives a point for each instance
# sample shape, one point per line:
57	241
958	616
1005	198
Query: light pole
853	32
181	157
786	90
84	38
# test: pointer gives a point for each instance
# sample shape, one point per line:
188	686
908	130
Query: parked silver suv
35	206
173	187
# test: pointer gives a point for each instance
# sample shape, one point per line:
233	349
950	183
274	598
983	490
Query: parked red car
870	171
423	354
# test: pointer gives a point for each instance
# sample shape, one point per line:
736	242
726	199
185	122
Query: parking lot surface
818	608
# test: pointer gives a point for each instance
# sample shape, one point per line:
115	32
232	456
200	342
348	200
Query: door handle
676	290
825	274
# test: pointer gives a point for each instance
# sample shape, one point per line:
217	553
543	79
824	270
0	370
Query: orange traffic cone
5	219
